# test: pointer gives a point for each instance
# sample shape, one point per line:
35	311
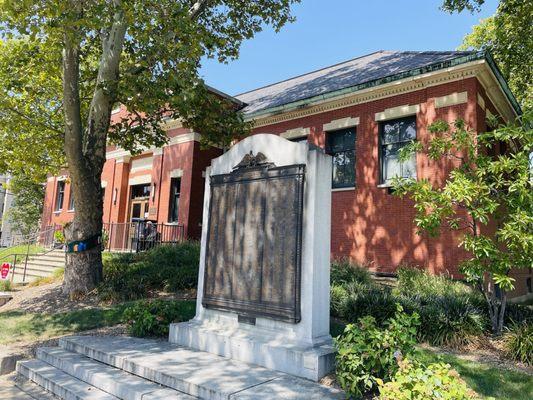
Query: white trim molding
397	112
481	101
341	123
103	184
179	139
176	173
295	133
451	99
139	180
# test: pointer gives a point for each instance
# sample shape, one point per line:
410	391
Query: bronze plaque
254	240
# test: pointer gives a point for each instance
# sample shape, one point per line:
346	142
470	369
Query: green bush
517	314
518	342
5	286
414	281
133	276
448	320
363	300
338	295
414	381
147	318
343	271
366	352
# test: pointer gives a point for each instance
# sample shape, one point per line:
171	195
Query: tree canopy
508	35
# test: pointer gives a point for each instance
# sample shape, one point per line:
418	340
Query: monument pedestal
257	345
263	283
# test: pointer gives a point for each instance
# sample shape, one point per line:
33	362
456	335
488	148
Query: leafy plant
59	237
366	352
487	185
518	342
135	276
414	381
345	271
363	300
5	286
153	317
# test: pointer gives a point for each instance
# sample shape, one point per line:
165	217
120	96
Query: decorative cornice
460	72
481	101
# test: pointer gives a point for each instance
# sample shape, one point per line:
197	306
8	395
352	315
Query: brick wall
369	225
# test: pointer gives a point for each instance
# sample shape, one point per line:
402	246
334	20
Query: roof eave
480	55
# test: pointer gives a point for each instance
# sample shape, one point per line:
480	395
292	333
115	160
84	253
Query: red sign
4	272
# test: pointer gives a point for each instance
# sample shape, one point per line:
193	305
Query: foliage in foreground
367	352
519	342
414	381
147	318
134	276
486	185
488	380
5	286
451	313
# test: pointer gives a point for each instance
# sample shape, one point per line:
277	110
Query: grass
57	276
19	326
488	380
6	255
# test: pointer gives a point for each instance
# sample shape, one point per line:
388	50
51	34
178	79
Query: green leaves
488	197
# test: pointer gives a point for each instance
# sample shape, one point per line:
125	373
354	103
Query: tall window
71	199
175	187
60	195
341	146
394	135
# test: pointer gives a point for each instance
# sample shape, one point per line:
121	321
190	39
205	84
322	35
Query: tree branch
35	122
197	8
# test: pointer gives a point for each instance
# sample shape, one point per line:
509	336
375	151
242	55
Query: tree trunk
85	149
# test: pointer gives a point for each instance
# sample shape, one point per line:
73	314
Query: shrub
135	276
153	317
414	381
338	295
366	352
363	300
344	271
448	320
414	281
5	286
517	314
518	342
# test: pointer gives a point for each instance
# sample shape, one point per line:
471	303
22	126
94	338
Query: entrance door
139	209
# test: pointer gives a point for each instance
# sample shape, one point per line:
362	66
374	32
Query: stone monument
263	287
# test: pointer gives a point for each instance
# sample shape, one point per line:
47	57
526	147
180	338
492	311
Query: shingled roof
359	71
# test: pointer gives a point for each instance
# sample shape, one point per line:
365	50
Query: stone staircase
98	368
39	266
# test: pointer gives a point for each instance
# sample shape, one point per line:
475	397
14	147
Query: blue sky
330	31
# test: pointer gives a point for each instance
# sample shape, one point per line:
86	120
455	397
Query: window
140	191
341	146
71	199
394	135
175	187
60	195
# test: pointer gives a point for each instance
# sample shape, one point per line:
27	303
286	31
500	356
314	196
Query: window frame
58	207
172	202
71	199
329	151
381	145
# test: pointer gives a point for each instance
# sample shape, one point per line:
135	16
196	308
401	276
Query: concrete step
194	372
59	382
38	269
45	263
104	377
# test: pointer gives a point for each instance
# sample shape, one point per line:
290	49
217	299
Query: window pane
409	167
408	129
391	132
391	164
341	146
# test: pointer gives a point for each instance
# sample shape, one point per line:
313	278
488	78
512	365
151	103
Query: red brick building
362	112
